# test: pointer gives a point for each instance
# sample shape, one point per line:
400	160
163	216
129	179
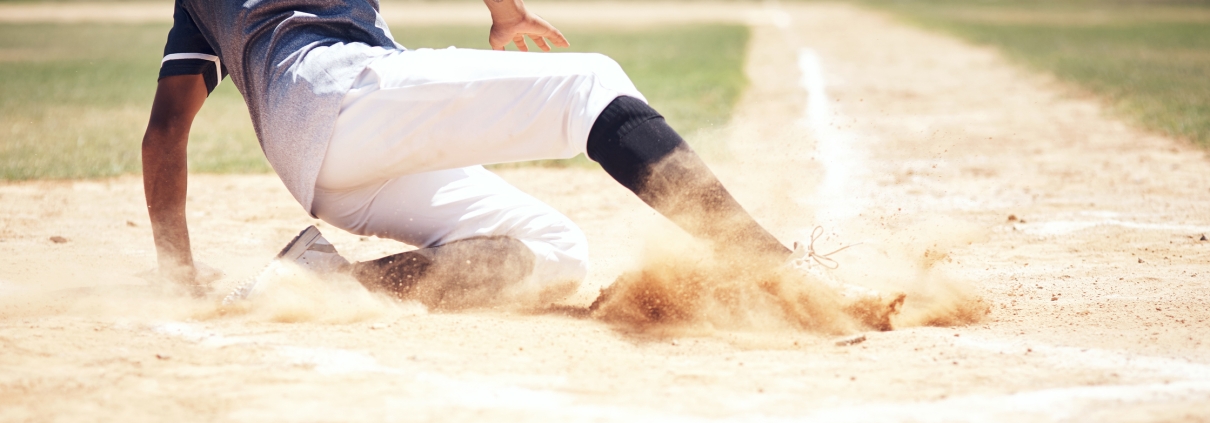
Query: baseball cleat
870	306
817	266
309	250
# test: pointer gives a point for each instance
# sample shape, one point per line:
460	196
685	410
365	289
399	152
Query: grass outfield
74	98
1150	59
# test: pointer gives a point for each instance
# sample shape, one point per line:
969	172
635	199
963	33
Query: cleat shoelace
825	260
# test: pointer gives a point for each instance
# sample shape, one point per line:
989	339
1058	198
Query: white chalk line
476	392
8	288
337	362
1064	227
1061	404
839	198
1097	359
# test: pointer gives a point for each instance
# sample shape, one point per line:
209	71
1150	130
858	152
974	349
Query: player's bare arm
165	171
512	23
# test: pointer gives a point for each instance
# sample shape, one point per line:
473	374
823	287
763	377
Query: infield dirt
964	177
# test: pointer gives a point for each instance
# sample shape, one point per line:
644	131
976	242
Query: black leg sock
639	150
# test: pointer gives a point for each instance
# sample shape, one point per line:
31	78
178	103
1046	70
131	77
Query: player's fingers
519	41
540	42
496	42
558	39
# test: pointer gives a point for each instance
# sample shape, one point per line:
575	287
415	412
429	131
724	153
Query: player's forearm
165	183
505	10
166	172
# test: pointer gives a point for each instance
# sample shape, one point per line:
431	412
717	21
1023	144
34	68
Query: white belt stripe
218	66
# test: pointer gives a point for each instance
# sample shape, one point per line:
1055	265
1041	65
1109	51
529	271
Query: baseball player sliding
380	140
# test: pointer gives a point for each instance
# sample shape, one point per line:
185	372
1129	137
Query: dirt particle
1204	238
58	239
1141	261
1013	218
131	224
1054	298
852	340
163	356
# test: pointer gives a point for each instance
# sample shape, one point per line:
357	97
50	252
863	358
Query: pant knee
560	255
609	74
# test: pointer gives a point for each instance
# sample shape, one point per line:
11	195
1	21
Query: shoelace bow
824	260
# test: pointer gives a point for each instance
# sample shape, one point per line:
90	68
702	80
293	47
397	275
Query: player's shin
637	148
460	274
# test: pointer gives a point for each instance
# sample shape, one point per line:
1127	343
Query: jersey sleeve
188	53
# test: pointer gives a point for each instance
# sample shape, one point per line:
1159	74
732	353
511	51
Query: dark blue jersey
188	53
292	60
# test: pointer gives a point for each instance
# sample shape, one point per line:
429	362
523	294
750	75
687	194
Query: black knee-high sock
639	150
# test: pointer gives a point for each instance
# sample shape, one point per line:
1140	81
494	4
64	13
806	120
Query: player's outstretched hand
515	30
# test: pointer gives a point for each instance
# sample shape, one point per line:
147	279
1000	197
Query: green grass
74	101
74	98
1149	59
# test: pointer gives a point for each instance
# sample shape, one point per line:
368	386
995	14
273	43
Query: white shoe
818	267
868	305
309	250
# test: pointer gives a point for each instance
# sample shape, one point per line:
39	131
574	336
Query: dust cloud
915	259
286	294
61	298
684	286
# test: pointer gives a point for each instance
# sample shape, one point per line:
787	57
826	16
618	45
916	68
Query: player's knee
561	253
566	256
609	71
575	256
560	264
602	62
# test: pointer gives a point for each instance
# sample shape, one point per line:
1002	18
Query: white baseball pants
404	161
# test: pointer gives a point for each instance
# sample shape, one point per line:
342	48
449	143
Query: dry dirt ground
1083	234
